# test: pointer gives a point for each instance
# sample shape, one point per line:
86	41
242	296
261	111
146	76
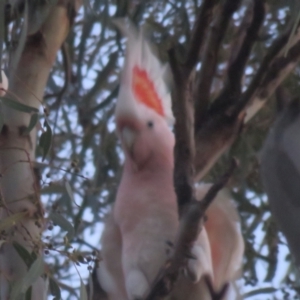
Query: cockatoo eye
150	124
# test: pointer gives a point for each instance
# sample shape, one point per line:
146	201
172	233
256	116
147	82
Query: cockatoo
145	214
219	251
280	170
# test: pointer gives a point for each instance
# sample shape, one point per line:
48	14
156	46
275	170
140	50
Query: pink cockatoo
145	214
219	251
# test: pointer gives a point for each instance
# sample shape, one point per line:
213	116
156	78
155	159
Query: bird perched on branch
145	215
219	250
280	170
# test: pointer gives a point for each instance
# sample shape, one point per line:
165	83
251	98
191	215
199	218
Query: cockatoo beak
128	136
128	129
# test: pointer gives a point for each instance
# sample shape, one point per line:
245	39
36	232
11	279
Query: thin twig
232	90
210	58
264	68
199	32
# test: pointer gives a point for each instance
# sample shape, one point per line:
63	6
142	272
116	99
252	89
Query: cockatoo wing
224	234
110	273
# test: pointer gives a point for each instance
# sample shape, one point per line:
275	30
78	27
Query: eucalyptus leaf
63	223
34	272
33	121
69	191
46	140
18	105
54	289
1	119
20	287
83	293
24	254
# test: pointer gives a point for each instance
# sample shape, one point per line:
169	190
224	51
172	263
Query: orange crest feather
144	90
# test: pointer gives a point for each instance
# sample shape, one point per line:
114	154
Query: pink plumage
145	217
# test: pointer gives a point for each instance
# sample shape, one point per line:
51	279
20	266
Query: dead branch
276	73
190	228
274	50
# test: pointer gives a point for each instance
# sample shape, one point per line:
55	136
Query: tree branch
189	230
199	32
210	58
277	46
232	90
184	150
277	72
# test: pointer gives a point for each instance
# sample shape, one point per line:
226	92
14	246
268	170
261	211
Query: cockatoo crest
143	76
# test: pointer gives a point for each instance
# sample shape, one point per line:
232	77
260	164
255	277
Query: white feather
139	53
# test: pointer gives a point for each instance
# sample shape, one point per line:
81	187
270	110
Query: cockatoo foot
198	265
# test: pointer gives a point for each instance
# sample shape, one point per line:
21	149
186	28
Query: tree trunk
20	195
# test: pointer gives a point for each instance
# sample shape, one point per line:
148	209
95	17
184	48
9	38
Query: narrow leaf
69	191
83	293
1	120
28	294
54	289
63	223
91	287
35	271
46	139
20	287
33	121
266	290
11	220
24	254
18	105
53	189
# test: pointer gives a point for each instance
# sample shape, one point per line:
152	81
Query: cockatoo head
143	111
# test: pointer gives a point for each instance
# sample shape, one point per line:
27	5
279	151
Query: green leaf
69	191
11	220
54	289
83	293
46	139
63	223
20	287
53	189
28	294
1	120
35	271
33	121
18	105
24	254
266	290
